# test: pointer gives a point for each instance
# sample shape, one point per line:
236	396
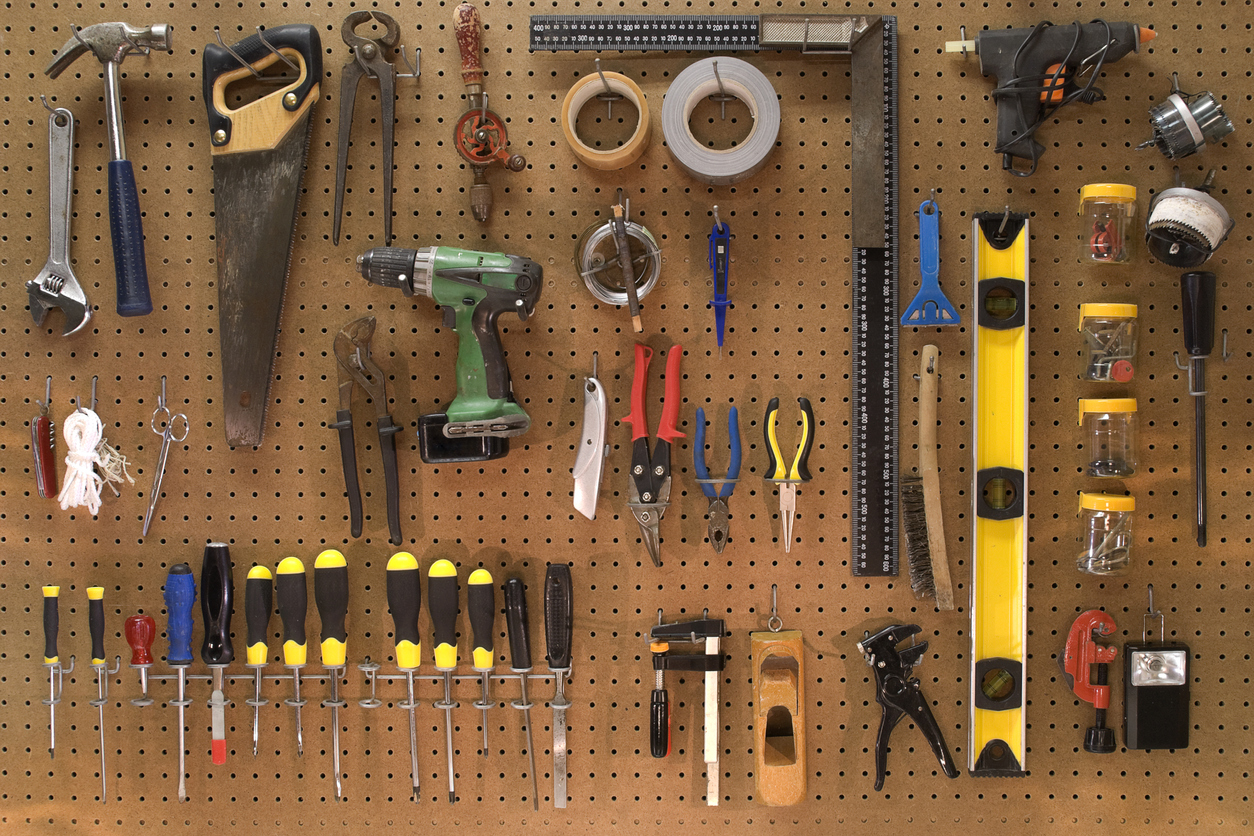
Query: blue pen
720	261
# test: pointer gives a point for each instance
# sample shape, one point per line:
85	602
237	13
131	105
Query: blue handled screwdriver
180	595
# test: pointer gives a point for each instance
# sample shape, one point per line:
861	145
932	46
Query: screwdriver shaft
296	702
334	703
413	732
1199	443
52	710
256	706
101	672
182	734
531	752
448	732
484	705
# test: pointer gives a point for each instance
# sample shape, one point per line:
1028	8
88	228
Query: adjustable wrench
56	286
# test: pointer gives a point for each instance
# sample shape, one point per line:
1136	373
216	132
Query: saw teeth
1184	230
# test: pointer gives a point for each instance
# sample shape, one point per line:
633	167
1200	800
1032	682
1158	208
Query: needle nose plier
649	493
352	356
717	491
788	479
369	59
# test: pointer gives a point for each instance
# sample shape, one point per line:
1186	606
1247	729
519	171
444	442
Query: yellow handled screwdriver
258	607
481	607
405	601
442	601
331	598
95	622
293	599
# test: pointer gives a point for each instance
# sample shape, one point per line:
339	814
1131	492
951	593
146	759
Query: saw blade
256	199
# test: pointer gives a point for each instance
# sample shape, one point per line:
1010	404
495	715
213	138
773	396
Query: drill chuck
407	270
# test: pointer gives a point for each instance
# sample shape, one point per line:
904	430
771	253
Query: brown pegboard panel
788	336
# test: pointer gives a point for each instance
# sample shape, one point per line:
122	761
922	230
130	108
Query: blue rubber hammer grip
180	595
127	226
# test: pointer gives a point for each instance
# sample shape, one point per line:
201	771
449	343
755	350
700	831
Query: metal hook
1005	219
595	358
775	623
659	616
962	36
46	403
717	222
262	37
609	96
1224	352
136	49
74	30
47	106
722	98
217	33
931	365
414	68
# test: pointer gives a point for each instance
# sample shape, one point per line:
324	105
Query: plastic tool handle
258	607
698	453
293	599
127	226
52	623
331	598
929	242
639	387
469	30
800	470
733	462
259	52
348	460
666	428
180	595
516	624
387	446
217	600
1197	304
95	622
660	724
775	459
405	602
559	615
140	631
442	600
481	605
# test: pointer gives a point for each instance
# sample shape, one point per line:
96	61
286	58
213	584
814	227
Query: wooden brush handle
929	373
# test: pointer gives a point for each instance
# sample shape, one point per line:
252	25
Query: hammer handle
127	226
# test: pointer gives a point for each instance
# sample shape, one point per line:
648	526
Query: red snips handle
639	387
666	430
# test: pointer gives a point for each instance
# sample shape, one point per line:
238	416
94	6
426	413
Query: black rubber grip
387	446
217	600
52	625
1197	304
292	594
517	625
258	606
660	724
348	460
803	463
126	224
442	601
95	622
217	61
481	604
405	602
773	464
559	615
331	598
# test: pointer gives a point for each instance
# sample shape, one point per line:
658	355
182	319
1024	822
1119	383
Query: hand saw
259	153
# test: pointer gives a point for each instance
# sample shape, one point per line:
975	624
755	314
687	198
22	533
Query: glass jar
1109	335
1107	215
1109	427
1105	533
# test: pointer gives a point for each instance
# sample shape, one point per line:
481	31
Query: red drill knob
140	631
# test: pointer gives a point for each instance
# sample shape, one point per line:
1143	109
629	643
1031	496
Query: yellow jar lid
1107	193
1105	310
1107	502
1105	405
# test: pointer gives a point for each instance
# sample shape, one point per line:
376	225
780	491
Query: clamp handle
469	30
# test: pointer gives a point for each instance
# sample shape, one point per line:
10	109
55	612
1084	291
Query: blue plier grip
733	465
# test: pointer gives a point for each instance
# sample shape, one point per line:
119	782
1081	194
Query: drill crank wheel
481	139
596	259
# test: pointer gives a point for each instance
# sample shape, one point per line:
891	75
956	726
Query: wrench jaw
50	289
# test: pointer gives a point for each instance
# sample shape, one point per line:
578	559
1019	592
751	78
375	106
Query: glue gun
1038	67
473	289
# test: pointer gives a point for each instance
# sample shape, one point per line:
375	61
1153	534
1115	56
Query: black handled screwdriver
96	624
559	626
442	601
292	592
1197	305
331	598
481	603
52	661
516	624
258	607
217	601
405	601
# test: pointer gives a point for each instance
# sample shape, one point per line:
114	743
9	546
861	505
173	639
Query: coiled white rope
87	449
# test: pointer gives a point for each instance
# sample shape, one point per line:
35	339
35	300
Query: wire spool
736	78
1185	226
590	87
596	258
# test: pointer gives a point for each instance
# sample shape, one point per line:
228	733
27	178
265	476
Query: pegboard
788	336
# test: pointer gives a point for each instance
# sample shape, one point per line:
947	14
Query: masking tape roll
745	82
588	88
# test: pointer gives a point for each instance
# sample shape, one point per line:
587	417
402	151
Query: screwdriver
293	598
481	604
258	607
95	622
1197	305
217	600
520	663
442	600
331	598
559	619
56	674
140	632
180	595
405	601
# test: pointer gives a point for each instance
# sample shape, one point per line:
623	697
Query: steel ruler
823	34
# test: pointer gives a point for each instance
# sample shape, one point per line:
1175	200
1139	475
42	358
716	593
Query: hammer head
111	42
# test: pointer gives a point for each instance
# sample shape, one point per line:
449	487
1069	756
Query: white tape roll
588	88
745	82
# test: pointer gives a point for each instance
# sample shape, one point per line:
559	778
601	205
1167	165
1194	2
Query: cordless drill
1038	67
473	289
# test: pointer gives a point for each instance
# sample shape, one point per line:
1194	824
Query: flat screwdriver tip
417	798
452	797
